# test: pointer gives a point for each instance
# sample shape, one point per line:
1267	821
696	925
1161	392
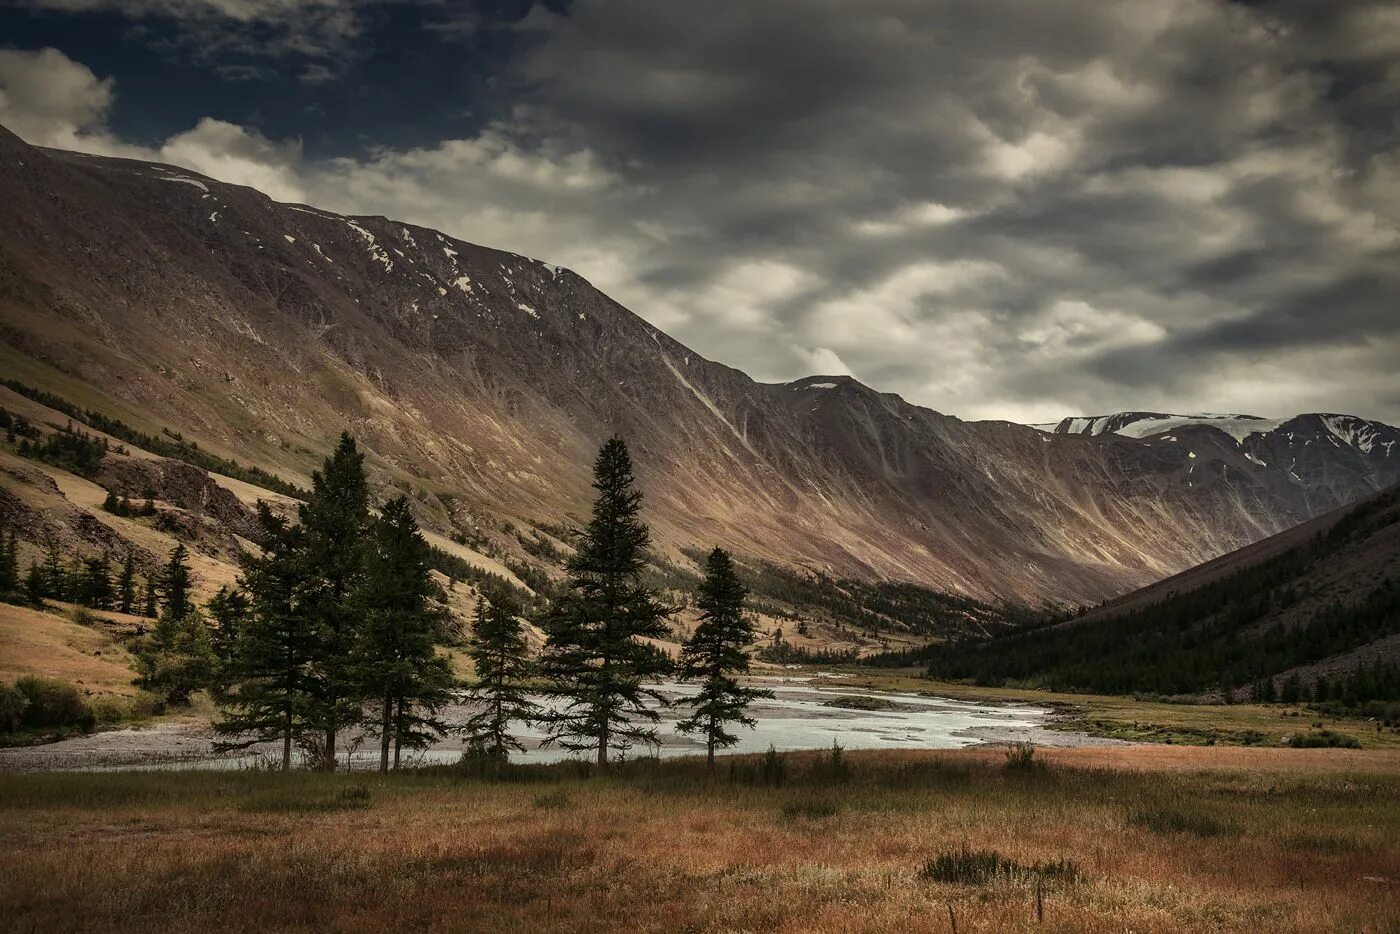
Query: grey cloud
998	210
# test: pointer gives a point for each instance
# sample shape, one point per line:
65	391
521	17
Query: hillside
481	383
1313	612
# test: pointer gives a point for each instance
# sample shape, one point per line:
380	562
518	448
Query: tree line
334	623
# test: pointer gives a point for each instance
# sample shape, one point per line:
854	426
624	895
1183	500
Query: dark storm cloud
997	209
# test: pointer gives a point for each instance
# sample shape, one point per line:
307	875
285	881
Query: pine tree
9	563
269	664
715	653
55	581
96	589
148	606
228	609
35	586
175	584
334	520
394	655
595	657
501	655
176	658
126	585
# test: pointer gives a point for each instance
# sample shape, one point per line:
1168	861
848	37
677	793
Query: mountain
1338	454
1320	601
482	383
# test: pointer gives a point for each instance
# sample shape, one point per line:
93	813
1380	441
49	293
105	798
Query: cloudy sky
998	209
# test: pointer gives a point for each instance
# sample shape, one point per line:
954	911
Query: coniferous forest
333	629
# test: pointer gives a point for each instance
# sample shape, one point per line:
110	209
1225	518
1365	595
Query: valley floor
1155	839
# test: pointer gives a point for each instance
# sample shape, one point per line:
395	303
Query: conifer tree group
335	619
334	626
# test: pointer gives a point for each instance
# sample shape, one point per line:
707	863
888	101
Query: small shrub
810	809
832	769
985	867
1172	820
53	703
773	769
1020	757
82	616
13	704
1324	739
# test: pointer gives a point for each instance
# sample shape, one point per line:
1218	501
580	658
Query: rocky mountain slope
482	383
1319	601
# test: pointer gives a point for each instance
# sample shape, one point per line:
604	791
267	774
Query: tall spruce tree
269	666
229	611
9	563
149	608
501	655
394	654
595	659
715	653
175	584
97	584
126	585
334	520
54	578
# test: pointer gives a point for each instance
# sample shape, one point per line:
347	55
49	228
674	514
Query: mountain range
481	383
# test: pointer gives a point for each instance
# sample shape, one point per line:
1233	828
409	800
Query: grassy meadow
1204	839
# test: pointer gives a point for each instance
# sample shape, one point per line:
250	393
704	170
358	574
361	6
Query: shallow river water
799	716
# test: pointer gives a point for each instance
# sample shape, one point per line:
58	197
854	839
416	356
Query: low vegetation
1096	840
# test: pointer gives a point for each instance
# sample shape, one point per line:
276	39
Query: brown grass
1231	840
34	642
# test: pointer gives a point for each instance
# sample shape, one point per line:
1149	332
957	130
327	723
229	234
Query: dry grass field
1219	840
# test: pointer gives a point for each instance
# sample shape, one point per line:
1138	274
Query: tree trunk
710	751
329	763
287	742
384	734
603	749
398	730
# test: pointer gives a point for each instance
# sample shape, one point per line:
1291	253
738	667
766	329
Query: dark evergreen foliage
595	659
268	664
175	584
393	657
334	520
501	656
715	654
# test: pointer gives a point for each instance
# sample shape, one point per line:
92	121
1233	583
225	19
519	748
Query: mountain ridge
482	382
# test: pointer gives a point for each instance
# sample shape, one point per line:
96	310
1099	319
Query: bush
53	703
13	704
773	768
1324	739
108	708
1020	757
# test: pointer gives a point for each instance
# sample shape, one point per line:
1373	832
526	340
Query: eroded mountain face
483	382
